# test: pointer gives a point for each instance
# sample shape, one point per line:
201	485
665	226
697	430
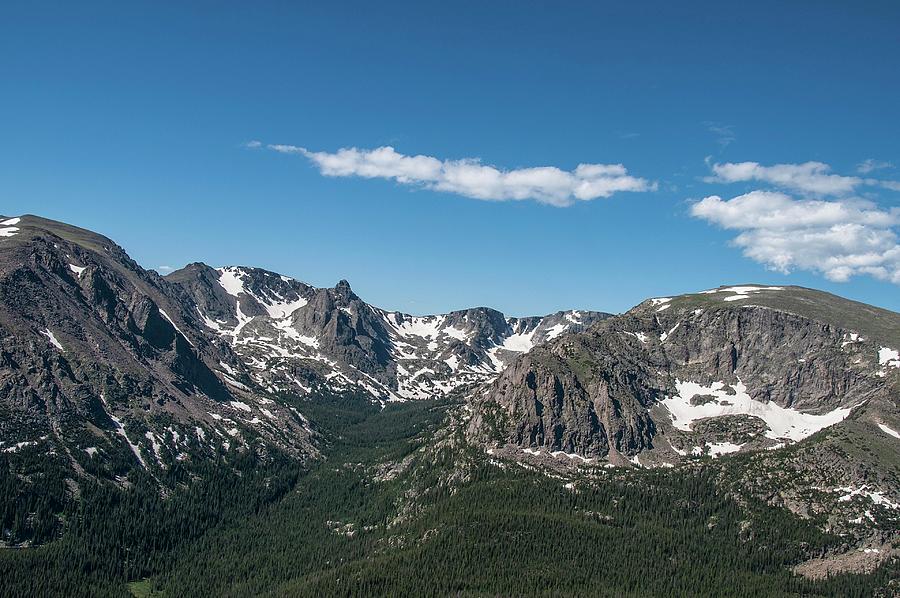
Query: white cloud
809	177
471	178
164	268
838	238
867	166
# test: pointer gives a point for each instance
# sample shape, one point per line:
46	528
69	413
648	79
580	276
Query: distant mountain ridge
295	337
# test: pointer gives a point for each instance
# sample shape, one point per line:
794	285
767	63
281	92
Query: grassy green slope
874	323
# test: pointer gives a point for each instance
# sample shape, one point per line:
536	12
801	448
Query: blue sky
134	119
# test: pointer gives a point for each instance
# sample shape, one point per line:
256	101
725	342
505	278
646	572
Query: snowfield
7	228
53	340
782	422
889	357
889	431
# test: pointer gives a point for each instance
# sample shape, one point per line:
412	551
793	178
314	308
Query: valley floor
401	507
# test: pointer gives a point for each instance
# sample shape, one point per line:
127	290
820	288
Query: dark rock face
603	392
106	362
199	283
348	330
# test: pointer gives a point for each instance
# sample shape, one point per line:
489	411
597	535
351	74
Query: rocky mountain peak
342	289
734	368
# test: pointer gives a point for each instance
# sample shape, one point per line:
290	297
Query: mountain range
114	377
106	359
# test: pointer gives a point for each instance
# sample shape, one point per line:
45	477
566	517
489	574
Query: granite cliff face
799	388
713	372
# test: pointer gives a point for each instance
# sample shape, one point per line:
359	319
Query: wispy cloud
164	269
725	135
469	177
837	238
808	177
871	165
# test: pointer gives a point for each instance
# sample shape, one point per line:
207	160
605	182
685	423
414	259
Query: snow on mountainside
759	367
114	367
795	391
294	338
102	364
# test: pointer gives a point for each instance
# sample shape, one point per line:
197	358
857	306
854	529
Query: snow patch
555	331
889	358
175	326
120	430
427	327
875	496
230	280
154	442
889	431
53	340
717	449
574	316
283	309
570	456
782	422
665	335
662	302
519	342
77	269
851	338
7	229
20	445
456	333
641	336
232	382
741	290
